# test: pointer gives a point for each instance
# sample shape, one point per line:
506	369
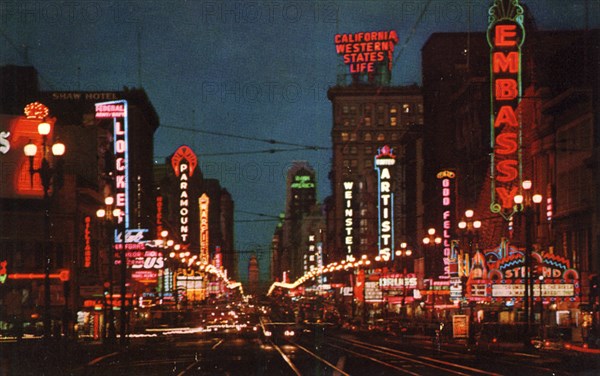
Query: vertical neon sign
117	110
505	35
384	159
204	202
348	220
448	209
184	162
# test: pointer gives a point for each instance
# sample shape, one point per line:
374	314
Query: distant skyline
232	78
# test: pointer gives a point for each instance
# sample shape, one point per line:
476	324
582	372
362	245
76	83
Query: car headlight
289	333
268	333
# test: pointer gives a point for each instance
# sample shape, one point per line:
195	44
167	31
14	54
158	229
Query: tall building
301	197
77	242
367	120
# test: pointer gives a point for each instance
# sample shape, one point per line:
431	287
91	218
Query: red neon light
63	275
87	249
362	51
184	152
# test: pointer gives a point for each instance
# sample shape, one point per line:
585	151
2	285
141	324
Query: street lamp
432	241
52	179
528	205
469	229
403	253
108	214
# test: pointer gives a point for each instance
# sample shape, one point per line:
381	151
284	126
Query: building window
368	137
345	109
353	163
395	136
346	122
346	163
393	109
352	110
369	164
393	121
380	137
406	108
352	136
368	150
367	121
345	136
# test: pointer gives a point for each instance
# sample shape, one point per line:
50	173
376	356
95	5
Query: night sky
226	78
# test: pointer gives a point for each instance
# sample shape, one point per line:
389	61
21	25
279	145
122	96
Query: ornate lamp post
52	180
470	230
528	205
432	241
109	214
403	253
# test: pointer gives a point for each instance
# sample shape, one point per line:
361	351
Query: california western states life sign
363	52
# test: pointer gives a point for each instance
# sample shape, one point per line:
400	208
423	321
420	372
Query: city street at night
300	187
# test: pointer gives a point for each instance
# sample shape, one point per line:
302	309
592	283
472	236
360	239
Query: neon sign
184	162
302	182
4	143
362	52
204	202
348	220
447	178
505	36
117	110
383	161
87	248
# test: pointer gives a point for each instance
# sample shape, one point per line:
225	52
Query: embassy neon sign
117	110
384	160
505	35
184	162
348	220
363	51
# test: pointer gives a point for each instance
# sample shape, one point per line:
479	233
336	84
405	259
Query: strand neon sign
384	160
505	36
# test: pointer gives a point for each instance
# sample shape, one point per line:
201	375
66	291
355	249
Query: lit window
380	137
393	109
406	108
368	121
353	136
393	121
368	137
345	136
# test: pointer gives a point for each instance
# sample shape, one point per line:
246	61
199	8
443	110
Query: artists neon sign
363	51
505	36
184	163
348	220
117	110
384	160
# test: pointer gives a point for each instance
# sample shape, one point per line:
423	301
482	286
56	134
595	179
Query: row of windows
392	109
352	137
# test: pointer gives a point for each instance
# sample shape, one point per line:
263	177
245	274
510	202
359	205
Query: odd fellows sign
117	111
384	161
448	188
505	36
184	162
348	220
363	52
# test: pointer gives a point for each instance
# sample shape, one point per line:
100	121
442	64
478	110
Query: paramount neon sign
383	161
505	36
184	162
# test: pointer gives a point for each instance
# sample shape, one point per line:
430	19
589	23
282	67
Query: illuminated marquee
184	163
448	184
348	220
204	201
117	110
505	36
363	52
4	143
384	160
